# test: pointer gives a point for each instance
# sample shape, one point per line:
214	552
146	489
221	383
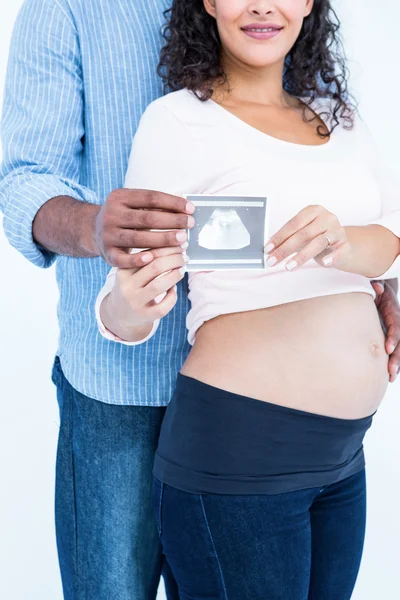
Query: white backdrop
28	340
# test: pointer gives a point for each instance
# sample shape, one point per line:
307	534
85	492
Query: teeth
262	30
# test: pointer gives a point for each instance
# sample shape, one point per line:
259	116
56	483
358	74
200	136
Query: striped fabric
81	73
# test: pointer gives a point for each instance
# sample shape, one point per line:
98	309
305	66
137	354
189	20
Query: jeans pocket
56	373
158	492
57	377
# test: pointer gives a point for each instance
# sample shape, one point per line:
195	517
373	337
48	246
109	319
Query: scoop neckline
266	136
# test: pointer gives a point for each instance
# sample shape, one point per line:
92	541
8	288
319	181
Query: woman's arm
315	233
132	301
378	243
372	250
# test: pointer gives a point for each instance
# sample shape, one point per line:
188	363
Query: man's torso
119	45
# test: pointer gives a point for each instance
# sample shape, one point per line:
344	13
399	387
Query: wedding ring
328	239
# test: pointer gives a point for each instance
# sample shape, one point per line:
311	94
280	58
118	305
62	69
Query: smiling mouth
261	29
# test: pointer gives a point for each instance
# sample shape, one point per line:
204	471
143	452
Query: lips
262	30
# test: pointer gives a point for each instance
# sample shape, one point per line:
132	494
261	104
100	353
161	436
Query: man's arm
394	284
65	226
73	228
42	123
46	211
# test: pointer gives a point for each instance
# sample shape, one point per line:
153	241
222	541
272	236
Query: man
81	73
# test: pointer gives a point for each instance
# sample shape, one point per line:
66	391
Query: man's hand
389	309
70	227
127	220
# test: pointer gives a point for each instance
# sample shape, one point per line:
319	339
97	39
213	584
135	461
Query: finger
160	252
157	269
156	201
308	239
392	337
158	311
128	238
394	365
161	285
379	287
117	257
125	274
312	251
155	219
301	220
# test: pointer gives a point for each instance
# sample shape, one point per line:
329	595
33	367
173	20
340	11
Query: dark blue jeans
106	531
303	545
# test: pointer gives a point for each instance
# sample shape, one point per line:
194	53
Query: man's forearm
67	226
394	284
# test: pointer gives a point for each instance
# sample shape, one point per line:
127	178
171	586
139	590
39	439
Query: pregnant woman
259	474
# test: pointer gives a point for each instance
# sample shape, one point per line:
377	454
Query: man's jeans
106	529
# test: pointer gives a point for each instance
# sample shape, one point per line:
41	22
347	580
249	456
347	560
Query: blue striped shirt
80	75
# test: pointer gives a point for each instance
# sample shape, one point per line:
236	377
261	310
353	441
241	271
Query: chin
263	62
261	56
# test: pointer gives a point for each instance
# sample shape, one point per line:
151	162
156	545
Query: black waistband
213	441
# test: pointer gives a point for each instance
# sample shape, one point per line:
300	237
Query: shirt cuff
106	333
24	200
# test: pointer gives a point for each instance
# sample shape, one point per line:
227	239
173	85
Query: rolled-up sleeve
42	122
390	213
388	183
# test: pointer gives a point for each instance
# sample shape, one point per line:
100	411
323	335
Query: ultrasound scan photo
224	230
229	233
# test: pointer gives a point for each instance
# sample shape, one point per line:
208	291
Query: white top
185	146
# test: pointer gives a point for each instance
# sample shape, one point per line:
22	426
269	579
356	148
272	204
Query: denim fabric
106	531
302	545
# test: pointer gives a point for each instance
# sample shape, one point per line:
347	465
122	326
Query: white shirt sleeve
389	187
163	158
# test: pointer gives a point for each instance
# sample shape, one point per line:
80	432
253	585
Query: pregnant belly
322	355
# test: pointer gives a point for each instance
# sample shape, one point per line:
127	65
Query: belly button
375	349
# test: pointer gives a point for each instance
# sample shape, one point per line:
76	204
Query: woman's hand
313	233
141	296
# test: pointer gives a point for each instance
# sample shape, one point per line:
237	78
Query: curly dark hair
315	67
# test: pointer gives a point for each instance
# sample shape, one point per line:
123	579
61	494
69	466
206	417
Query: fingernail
190	208
186	258
272	261
185	246
181	236
146	258
292	265
328	260
182	270
190	222
391	348
269	248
